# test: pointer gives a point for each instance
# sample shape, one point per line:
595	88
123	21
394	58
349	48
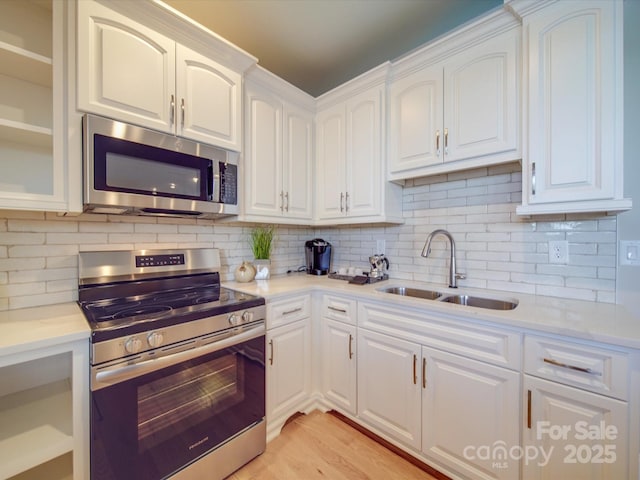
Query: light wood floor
320	446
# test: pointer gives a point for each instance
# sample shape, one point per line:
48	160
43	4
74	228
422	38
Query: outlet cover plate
380	247
559	251
629	252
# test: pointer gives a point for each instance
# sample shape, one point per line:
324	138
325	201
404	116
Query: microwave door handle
210	181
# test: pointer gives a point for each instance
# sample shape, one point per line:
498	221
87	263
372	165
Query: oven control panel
166	338
239	319
159	260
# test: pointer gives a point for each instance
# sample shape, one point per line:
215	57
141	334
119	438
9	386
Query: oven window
148	427
171	405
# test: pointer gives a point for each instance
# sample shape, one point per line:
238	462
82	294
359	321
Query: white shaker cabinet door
583	435
263	153
481	108
331	171
298	163
288	368
125	70
209	100
388	388
416	132
467	407
574	158
364	150
339	364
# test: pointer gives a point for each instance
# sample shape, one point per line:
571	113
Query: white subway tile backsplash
495	248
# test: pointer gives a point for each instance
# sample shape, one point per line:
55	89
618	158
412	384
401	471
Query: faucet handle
461	276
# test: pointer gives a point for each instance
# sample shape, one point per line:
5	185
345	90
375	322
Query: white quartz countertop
39	327
600	322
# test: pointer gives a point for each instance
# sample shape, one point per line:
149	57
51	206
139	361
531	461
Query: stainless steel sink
412	292
480	302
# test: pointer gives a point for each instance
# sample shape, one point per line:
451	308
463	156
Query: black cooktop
124	309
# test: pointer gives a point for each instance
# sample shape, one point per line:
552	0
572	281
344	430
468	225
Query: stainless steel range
177	366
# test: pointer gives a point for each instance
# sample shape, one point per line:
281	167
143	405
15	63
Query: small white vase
263	268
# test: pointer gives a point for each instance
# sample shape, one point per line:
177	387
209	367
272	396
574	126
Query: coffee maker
318	256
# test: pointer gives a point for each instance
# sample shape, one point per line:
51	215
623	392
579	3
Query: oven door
150	422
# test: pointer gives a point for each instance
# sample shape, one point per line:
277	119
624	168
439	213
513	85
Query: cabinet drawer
287	310
496	345
339	308
590	367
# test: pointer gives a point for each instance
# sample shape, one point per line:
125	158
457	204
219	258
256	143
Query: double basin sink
468	300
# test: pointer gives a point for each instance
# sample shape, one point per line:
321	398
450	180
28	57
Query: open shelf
25	65
24	133
60	468
36	427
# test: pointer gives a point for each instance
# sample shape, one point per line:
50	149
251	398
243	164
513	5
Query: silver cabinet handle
286	198
172	110
350	346
281	201
295	310
533	178
336	309
271	348
341	202
446	141
182	111
571	367
437	143
346	202
415	373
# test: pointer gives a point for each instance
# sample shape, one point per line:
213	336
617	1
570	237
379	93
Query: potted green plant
261	240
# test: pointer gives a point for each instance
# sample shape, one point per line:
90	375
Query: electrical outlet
559	251
380	247
629	252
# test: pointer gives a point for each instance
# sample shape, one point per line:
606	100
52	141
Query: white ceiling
318	44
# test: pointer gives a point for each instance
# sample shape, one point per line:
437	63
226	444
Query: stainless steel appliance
177	366
318	256
135	171
379	263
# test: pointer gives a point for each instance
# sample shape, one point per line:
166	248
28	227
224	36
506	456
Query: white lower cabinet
573	434
388	391
449	407
470	412
288	358
576	405
339	353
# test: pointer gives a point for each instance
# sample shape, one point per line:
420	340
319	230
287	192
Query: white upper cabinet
126	71
481	100
210	100
350	161
278	151
455	105
132	72
573	63
36	171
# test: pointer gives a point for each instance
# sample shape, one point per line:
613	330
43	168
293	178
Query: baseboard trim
390	446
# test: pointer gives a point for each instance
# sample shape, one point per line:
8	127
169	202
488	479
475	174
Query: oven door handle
106	377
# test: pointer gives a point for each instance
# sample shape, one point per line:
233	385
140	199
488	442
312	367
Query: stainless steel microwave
136	171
